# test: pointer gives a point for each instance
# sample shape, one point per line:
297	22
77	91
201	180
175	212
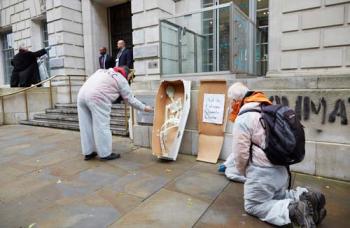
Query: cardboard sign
213	108
211	133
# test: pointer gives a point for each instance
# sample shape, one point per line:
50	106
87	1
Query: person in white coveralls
95	99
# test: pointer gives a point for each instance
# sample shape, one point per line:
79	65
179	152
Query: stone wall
15	107
309	37
323	103
145	21
65	28
65	33
18	15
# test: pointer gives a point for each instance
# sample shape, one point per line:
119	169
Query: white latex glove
148	109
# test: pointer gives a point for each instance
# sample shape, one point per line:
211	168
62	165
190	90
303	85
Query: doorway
120	26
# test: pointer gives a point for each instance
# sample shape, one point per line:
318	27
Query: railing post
70	89
132	116
126	117
50	88
26	104
3	110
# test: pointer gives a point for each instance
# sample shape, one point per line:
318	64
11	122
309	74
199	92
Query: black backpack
285	137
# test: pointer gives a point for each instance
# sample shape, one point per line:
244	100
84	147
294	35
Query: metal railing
220	38
51	102
25	93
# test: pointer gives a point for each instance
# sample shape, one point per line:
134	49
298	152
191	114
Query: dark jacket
26	71
109	62
126	59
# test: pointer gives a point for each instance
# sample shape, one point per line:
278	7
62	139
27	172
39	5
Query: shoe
112	156
317	201
221	168
90	156
301	215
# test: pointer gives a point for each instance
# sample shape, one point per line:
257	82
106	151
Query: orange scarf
256	96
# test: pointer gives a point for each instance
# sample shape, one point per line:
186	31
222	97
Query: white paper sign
213	108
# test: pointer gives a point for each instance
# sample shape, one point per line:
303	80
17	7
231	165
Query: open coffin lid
182	90
211	125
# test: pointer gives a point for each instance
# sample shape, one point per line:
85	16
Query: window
45	35
262	21
45	39
7	53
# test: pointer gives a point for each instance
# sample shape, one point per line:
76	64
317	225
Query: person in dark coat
25	67
105	60
124	56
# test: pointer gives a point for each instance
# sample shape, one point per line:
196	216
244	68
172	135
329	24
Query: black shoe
317	201
90	156
301	215
112	156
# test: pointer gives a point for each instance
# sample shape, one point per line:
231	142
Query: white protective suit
266	193
94	107
231	172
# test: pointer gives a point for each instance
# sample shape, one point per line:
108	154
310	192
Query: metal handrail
29	88
25	90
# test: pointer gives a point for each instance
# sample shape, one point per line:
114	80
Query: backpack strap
251	110
289	177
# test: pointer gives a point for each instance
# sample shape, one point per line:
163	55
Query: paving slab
165	209
44	180
228	211
88	212
337	198
202	185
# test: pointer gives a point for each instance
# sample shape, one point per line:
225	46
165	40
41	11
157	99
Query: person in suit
25	67
124	55
105	60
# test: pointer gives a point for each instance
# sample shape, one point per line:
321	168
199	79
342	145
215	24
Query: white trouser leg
265	194
85	125
231	172
230	161
101	127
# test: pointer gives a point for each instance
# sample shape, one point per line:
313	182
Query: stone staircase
65	116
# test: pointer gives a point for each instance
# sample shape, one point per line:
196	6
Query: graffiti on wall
304	106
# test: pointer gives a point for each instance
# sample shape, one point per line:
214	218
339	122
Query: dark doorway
120	26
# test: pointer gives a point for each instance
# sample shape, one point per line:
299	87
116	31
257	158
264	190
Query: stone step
74	105
69	126
67	118
114	113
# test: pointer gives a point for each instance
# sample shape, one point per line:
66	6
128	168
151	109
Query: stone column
95	26
65	28
145	24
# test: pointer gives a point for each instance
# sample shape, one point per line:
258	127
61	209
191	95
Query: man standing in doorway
105	60
124	55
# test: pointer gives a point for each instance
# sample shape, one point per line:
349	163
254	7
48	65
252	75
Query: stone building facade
307	57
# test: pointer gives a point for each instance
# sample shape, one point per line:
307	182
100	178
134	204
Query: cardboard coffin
174	136
211	127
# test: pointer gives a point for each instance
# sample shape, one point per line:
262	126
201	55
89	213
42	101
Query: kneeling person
95	99
266	193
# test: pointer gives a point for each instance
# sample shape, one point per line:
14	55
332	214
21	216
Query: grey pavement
46	183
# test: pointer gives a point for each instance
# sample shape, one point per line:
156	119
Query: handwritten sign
213	108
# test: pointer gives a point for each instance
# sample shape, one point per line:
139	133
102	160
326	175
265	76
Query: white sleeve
126	93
